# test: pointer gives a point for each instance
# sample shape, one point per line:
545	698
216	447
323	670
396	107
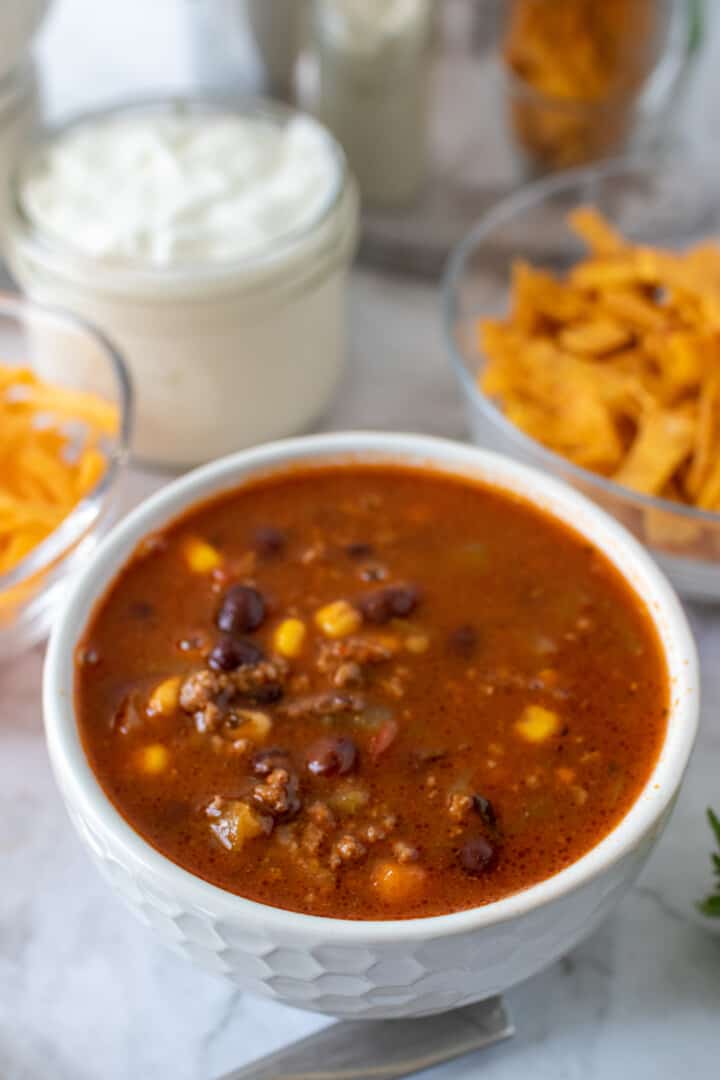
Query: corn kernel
417	643
397	882
235	824
164	699
254	725
202	558
289	638
153	759
337	620
537	724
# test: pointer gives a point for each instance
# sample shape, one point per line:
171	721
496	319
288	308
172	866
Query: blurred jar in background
19	93
581	72
19	22
373	61
241	47
19	118
277	27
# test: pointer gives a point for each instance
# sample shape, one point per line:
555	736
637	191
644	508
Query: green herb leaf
715	824
711	905
696	24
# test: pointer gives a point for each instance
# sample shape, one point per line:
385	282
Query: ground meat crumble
323	704
278	795
364	652
206	687
348	849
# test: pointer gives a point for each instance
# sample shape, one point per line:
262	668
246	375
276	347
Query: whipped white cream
167	187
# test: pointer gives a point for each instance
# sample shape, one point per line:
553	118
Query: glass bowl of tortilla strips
65	418
583	320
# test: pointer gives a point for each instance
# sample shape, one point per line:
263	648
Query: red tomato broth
445	804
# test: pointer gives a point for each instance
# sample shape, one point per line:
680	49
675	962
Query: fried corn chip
632	308
597	233
616	366
662	444
707	435
539	297
709	494
595	337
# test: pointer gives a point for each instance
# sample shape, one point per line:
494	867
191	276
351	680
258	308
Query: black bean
374	607
268	694
332	756
265	761
393	602
404	599
463	640
359	550
230	653
485	809
242	610
478	857
269	541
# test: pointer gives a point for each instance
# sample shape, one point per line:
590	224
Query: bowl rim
82	790
499	215
85	512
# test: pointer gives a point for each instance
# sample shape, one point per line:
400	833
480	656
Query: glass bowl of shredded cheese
63	445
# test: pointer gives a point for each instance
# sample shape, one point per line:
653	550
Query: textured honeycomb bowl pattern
369	978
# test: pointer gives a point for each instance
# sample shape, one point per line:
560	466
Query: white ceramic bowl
370	969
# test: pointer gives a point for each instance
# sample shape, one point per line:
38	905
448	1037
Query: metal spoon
384	1049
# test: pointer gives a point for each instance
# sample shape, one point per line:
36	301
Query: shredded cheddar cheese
50	457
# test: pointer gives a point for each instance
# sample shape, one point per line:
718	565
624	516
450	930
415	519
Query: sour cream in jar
212	245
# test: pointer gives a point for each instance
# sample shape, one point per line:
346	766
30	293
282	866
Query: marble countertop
85	991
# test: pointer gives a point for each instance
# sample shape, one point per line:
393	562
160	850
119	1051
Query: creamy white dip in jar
212	245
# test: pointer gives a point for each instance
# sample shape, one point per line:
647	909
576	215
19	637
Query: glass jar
373	93
585	81
225	353
19	117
